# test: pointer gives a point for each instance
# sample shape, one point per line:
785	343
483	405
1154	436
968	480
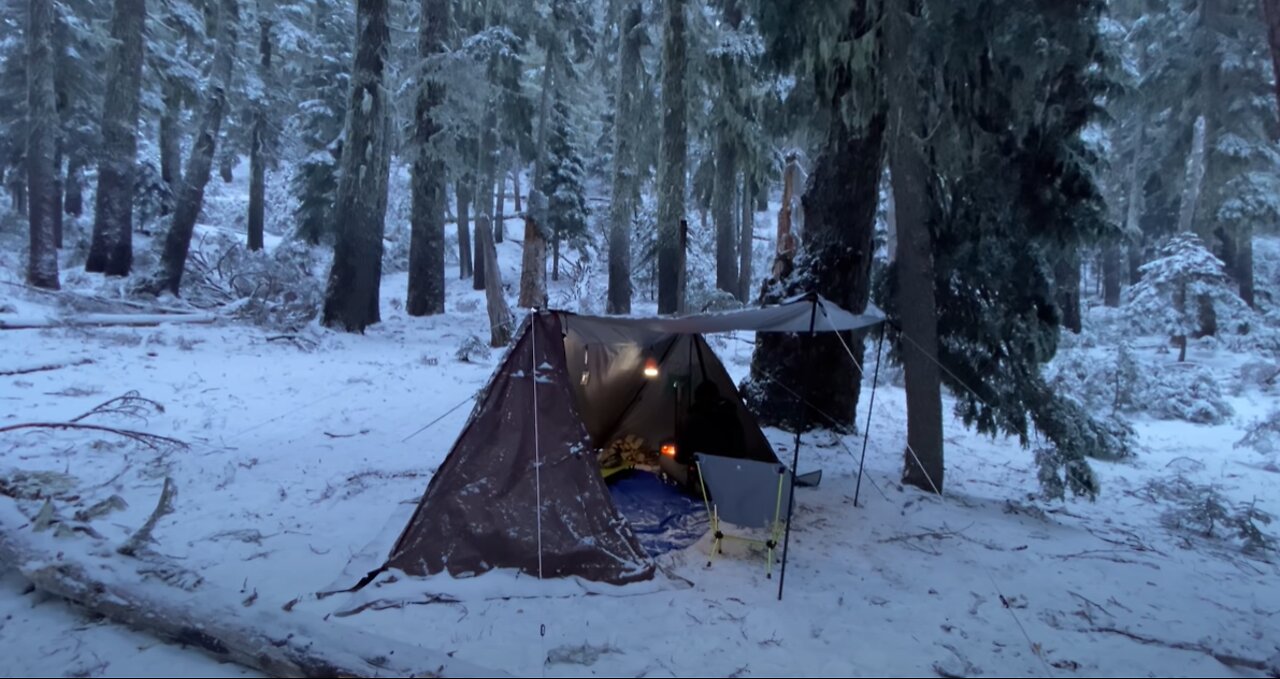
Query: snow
305	462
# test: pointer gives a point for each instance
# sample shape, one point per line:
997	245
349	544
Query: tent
522	486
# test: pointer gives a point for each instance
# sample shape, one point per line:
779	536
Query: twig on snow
44	368
163	507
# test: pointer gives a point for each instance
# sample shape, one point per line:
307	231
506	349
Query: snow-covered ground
304	451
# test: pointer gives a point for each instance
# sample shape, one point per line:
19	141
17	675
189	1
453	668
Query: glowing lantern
651	368
668	449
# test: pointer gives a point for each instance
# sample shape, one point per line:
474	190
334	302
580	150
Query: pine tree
673	158
260	135
839	210
563	182
200	163
626	167
324	86
42	136
426	254
111	250
351	298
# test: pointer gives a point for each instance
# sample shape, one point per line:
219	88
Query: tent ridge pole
795	457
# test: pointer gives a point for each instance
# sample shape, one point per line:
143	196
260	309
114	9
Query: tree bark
500	320
515	191
784	241
73	198
533	285
170	149
672	158
257	148
1244	263
1111	275
56	212
206	618
426	251
191	192
500	209
723	199
626	183
1271	16
839	216
464	192
746	234
42	139
111	247
1067	273
911	178
351	298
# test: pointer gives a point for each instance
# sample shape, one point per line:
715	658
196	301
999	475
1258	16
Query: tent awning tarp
793	315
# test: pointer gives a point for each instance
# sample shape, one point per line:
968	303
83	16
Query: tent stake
866	431
795	457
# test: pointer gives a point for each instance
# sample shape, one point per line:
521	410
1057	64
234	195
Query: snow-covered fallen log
89	573
27	323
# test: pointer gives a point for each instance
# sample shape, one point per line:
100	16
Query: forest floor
306	452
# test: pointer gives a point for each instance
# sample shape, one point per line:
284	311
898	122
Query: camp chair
747	494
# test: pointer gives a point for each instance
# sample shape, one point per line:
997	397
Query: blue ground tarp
662	517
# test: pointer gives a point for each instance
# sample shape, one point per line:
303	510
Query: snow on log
215	622
20	323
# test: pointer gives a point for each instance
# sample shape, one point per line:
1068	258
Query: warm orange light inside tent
651	368
669	449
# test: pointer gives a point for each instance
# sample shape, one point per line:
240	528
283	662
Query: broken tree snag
207	618
786	243
500	320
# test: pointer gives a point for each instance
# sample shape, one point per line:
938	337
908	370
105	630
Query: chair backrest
746	493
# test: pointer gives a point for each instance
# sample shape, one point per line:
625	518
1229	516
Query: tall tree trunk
672	156
746	234
111	248
725	182
724	199
1111	275
426	251
226	160
170	147
42	140
257	150
478	267
73	197
1067	275
515	191
839	215
1135	262
191	192
500	209
533	265
1271	16
487	167
57	192
1193	179
923	460
500	320
1244	264
351	298
533	285
555	256
625	166
463	190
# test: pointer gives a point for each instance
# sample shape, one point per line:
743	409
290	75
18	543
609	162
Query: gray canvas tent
522	486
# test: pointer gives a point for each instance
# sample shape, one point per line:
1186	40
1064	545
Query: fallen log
215	622
44	368
82	320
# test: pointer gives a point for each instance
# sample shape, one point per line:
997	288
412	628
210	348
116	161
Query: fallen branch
207	619
143	536
44	368
153	441
129	320
1233	661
